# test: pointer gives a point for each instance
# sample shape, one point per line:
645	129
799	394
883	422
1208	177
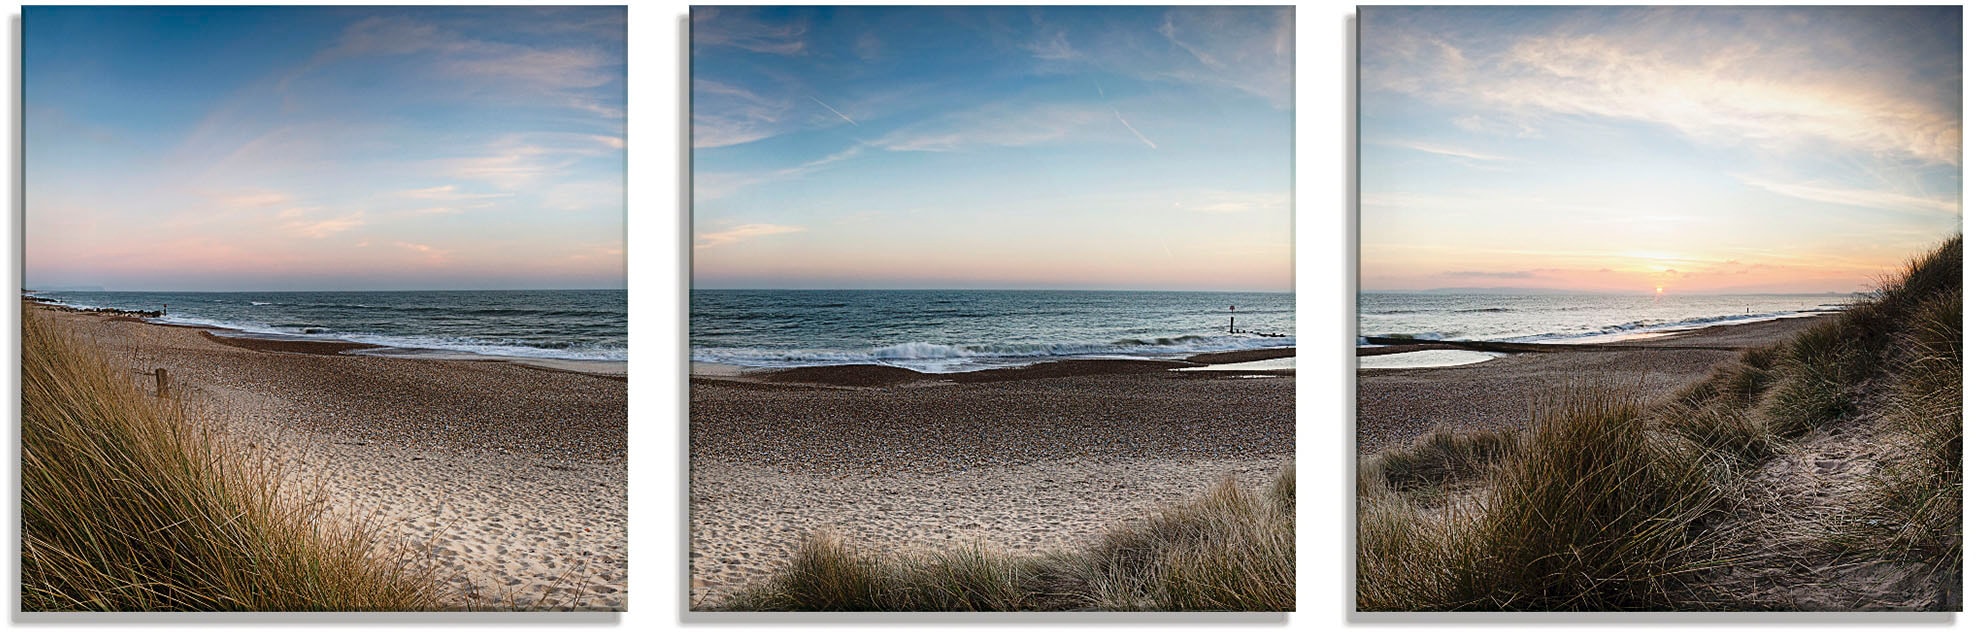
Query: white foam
1426	359
1272	364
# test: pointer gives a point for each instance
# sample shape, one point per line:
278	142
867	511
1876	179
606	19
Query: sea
946	331
1572	318
557	324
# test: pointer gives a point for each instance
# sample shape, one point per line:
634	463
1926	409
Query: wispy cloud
726	114
299	221
1456	152
429	253
996	125
1673	69
1865	198
737	27
834	111
743	232
1135	130
1234	202
448	192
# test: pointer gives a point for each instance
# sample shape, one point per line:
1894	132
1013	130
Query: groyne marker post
1231	319
164	384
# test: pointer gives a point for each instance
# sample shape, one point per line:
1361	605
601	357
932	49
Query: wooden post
1231	319
164	385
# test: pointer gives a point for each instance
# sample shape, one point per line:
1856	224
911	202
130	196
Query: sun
1659	290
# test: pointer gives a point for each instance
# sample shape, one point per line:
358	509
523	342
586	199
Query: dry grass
1588	512
1608	503
1230	550
131	503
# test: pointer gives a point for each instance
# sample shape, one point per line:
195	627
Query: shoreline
1395	405
504	480
888	375
299	343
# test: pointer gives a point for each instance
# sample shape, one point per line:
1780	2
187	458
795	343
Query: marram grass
1233	549
132	503
1608	502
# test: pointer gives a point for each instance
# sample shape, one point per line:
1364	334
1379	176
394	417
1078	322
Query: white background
657	238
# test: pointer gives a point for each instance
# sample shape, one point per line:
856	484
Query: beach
505	479
1397	405
1027	459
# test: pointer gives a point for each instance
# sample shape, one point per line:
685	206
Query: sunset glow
1686	150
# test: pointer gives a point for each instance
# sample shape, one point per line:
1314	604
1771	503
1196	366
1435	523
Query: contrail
834	111
1135	131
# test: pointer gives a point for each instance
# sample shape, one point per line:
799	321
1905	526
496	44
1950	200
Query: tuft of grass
1590	512
1443	456
1232	549
131	503
1920	495
1818	369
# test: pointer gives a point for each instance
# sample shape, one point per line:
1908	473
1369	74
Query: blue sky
1713	149
236	148
971	147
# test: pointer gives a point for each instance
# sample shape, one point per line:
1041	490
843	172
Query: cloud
520	160
1865	198
298	222
995	125
448	192
741	28
743	232
1448	151
431	254
1250	49
725	114
834	111
558	73
549	69
1518	274
1234	202
1135	130
1053	47
1719	78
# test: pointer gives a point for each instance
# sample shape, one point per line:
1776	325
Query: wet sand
1027	460
1397	405
506	480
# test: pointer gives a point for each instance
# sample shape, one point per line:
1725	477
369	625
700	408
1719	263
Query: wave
1663	326
549	349
951	358
1490	310
259	303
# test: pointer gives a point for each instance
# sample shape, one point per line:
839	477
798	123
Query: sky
338	148
1643	150
993	147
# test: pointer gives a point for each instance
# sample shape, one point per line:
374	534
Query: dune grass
1609	503
133	503
1231	550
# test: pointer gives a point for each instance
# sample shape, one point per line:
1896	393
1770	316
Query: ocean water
562	324
1571	318
949	331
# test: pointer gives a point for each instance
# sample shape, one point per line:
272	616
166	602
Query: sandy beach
1026	459
506	479
1396	405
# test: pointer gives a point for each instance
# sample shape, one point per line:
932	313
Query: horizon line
546	289
964	289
